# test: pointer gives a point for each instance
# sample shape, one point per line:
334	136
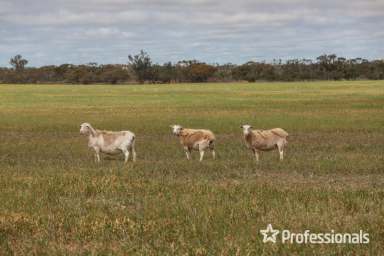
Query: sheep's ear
241	126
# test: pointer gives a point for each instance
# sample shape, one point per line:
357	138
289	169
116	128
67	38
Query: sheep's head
176	129
85	128
247	129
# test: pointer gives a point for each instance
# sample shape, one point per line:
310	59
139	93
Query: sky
53	32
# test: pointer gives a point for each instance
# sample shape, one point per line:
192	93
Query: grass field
56	200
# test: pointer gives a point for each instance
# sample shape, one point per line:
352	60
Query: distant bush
140	69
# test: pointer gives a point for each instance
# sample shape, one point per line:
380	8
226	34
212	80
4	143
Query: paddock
331	177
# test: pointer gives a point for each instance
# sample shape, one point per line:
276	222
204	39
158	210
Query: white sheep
259	140
195	139
109	142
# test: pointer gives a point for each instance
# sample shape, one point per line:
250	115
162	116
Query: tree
253	71
194	71
224	72
165	73
200	72
141	69
18	62
141	64
113	74
328	65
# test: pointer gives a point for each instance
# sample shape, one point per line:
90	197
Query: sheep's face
85	128
247	129
176	129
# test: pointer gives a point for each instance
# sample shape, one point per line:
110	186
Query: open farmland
56	200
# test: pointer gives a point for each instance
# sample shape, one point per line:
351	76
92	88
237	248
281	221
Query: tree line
141	69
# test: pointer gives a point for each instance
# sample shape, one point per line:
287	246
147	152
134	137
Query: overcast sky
106	31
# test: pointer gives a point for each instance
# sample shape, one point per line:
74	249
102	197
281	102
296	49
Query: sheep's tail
211	144
133	141
280	132
211	139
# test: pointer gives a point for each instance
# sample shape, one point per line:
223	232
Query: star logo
269	234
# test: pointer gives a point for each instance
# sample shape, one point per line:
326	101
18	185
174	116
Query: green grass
56	200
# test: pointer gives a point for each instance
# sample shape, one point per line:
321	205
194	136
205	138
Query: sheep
109	142
259	140
195	139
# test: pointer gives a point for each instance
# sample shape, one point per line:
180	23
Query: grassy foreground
56	200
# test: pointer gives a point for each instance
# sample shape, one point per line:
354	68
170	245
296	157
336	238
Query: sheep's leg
211	147
201	154
257	155
256	152
133	151
280	147
126	155
133	154
187	152
213	153
202	147
281	153
97	155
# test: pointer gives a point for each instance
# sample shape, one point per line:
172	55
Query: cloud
79	31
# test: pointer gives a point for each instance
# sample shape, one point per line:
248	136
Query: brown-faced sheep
195	139
265	140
